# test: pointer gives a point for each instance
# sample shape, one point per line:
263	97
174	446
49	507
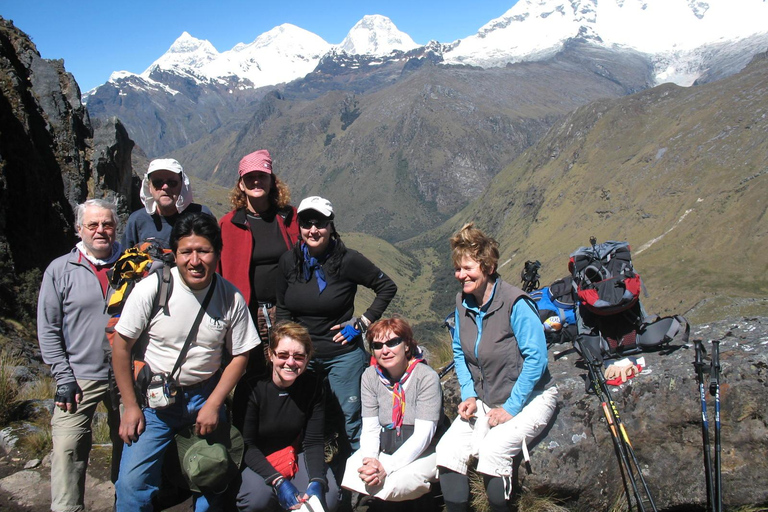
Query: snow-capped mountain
376	35
671	31
280	55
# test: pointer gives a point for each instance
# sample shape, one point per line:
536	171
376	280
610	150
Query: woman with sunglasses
283	430
402	407
166	195
261	227
316	287
501	364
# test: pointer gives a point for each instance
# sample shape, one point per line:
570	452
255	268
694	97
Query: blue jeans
344	373
142	463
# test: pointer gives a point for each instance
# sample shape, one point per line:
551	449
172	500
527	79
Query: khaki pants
72	439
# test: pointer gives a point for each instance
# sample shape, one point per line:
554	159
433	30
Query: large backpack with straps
148	258
605	279
610	318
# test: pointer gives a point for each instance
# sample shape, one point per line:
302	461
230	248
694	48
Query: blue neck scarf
312	264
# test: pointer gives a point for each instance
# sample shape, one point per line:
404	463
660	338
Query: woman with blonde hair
501	364
260	228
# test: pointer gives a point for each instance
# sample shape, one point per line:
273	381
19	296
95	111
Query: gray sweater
71	317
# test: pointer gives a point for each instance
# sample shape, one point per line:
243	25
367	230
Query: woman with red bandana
402	407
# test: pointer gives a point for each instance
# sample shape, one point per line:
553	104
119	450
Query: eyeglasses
159	182
106	226
284	356
390	343
319	224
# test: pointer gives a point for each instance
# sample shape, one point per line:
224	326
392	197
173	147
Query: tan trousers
72	440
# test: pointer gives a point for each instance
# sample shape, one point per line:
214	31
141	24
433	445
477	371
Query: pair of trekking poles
712	473
631	472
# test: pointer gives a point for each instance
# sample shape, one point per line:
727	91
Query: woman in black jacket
316	287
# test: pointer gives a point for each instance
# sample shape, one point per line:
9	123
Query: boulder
574	459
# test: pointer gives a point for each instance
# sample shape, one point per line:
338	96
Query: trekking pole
630	449
698	363
714	390
594	369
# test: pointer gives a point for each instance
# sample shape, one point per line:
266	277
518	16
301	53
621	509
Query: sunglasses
159	182
284	356
319	224
390	343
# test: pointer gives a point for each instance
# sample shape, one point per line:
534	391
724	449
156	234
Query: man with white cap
167	195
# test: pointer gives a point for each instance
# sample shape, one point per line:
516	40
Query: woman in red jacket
263	226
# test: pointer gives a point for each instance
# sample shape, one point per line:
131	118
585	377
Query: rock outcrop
46	146
575	460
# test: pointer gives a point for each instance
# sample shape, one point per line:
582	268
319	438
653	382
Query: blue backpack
557	310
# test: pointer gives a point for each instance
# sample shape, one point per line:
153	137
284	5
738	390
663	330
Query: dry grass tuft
9	386
530	502
41	389
38	443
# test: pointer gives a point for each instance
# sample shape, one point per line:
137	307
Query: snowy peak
535	28
376	35
186	52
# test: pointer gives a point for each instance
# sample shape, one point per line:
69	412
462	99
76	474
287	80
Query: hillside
401	158
680	173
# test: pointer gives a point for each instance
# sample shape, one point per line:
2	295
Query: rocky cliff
50	160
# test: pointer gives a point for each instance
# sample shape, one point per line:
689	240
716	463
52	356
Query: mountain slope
404	157
679	173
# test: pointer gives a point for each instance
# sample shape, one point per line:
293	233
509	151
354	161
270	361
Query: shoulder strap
195	326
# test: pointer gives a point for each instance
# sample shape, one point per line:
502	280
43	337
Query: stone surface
661	410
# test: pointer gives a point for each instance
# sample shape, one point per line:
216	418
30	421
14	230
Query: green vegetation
39	442
9	387
42	388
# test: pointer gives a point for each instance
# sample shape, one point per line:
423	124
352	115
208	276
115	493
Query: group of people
262	310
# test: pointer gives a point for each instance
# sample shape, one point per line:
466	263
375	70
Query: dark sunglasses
158	183
319	224
391	343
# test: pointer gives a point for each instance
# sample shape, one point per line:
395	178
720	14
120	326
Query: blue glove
351	329
349	333
287	494
317	489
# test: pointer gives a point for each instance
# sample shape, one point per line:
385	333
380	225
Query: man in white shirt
203	381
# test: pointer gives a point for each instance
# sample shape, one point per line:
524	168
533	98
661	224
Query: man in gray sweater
71	317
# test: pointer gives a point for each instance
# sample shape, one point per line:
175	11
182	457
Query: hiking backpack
605	280
610	318
136	263
557	310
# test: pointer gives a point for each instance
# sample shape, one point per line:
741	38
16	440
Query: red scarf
398	395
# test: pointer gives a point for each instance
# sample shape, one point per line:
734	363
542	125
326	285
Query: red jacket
234	264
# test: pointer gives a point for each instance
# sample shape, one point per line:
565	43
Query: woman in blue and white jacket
501	363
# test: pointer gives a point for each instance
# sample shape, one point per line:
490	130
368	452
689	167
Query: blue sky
97	37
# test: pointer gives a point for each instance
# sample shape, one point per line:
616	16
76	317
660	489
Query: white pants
494	447
407	483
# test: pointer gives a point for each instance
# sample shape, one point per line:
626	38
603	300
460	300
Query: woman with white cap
316	287
166	195
260	228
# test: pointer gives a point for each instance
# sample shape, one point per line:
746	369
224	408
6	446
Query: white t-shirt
226	323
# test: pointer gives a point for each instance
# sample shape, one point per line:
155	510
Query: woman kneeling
402	405
284	416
